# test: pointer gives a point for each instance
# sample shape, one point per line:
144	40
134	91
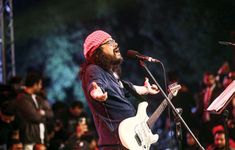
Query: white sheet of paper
222	99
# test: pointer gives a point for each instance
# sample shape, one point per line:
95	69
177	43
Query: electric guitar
135	132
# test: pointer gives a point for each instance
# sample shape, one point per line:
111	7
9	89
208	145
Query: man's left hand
151	89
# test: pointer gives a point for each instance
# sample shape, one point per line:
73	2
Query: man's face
38	86
219	140
209	80
76	111
110	48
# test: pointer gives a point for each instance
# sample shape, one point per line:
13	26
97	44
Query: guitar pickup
138	139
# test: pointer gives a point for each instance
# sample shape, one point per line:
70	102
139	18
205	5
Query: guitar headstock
174	88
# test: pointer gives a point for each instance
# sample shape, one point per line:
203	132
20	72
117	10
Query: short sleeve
95	74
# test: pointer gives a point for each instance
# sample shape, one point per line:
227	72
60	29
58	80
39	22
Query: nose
115	44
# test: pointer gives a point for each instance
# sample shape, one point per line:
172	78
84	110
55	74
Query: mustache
116	49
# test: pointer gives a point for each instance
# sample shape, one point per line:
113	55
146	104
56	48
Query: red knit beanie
93	41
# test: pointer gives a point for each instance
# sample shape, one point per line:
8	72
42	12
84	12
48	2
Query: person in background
75	141
39	147
93	144
220	140
104	90
228	79
32	112
191	144
15	145
7	124
231	119
208	94
73	116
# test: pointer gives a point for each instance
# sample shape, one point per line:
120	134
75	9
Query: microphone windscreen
132	54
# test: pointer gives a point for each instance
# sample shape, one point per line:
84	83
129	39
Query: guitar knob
179	110
155	138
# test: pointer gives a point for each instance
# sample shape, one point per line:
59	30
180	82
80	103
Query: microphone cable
168	107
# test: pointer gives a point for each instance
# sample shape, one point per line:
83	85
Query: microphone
136	55
226	43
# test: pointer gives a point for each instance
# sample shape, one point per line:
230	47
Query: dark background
183	34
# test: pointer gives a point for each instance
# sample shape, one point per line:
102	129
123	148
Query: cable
166	91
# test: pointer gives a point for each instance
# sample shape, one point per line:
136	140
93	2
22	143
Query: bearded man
106	96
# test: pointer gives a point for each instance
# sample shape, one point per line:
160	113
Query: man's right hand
97	94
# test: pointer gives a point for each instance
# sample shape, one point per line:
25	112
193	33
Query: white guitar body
134	132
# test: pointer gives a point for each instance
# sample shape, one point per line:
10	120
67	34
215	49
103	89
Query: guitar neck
153	118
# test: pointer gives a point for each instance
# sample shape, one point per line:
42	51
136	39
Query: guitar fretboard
153	118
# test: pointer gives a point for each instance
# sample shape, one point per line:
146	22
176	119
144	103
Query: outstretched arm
97	94
147	88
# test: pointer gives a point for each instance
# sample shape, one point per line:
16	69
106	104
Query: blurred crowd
212	130
28	121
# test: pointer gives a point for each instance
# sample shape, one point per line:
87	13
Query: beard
110	63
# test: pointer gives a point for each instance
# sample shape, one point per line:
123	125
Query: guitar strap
132	91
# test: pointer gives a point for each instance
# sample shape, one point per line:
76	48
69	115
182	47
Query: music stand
218	106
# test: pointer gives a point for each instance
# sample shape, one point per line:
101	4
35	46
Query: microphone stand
170	103
178	129
225	115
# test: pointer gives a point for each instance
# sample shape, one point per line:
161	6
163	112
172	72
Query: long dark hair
108	63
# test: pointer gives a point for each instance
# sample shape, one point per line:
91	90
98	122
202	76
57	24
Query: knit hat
217	128
93	41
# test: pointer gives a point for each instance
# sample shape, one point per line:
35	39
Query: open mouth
116	50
